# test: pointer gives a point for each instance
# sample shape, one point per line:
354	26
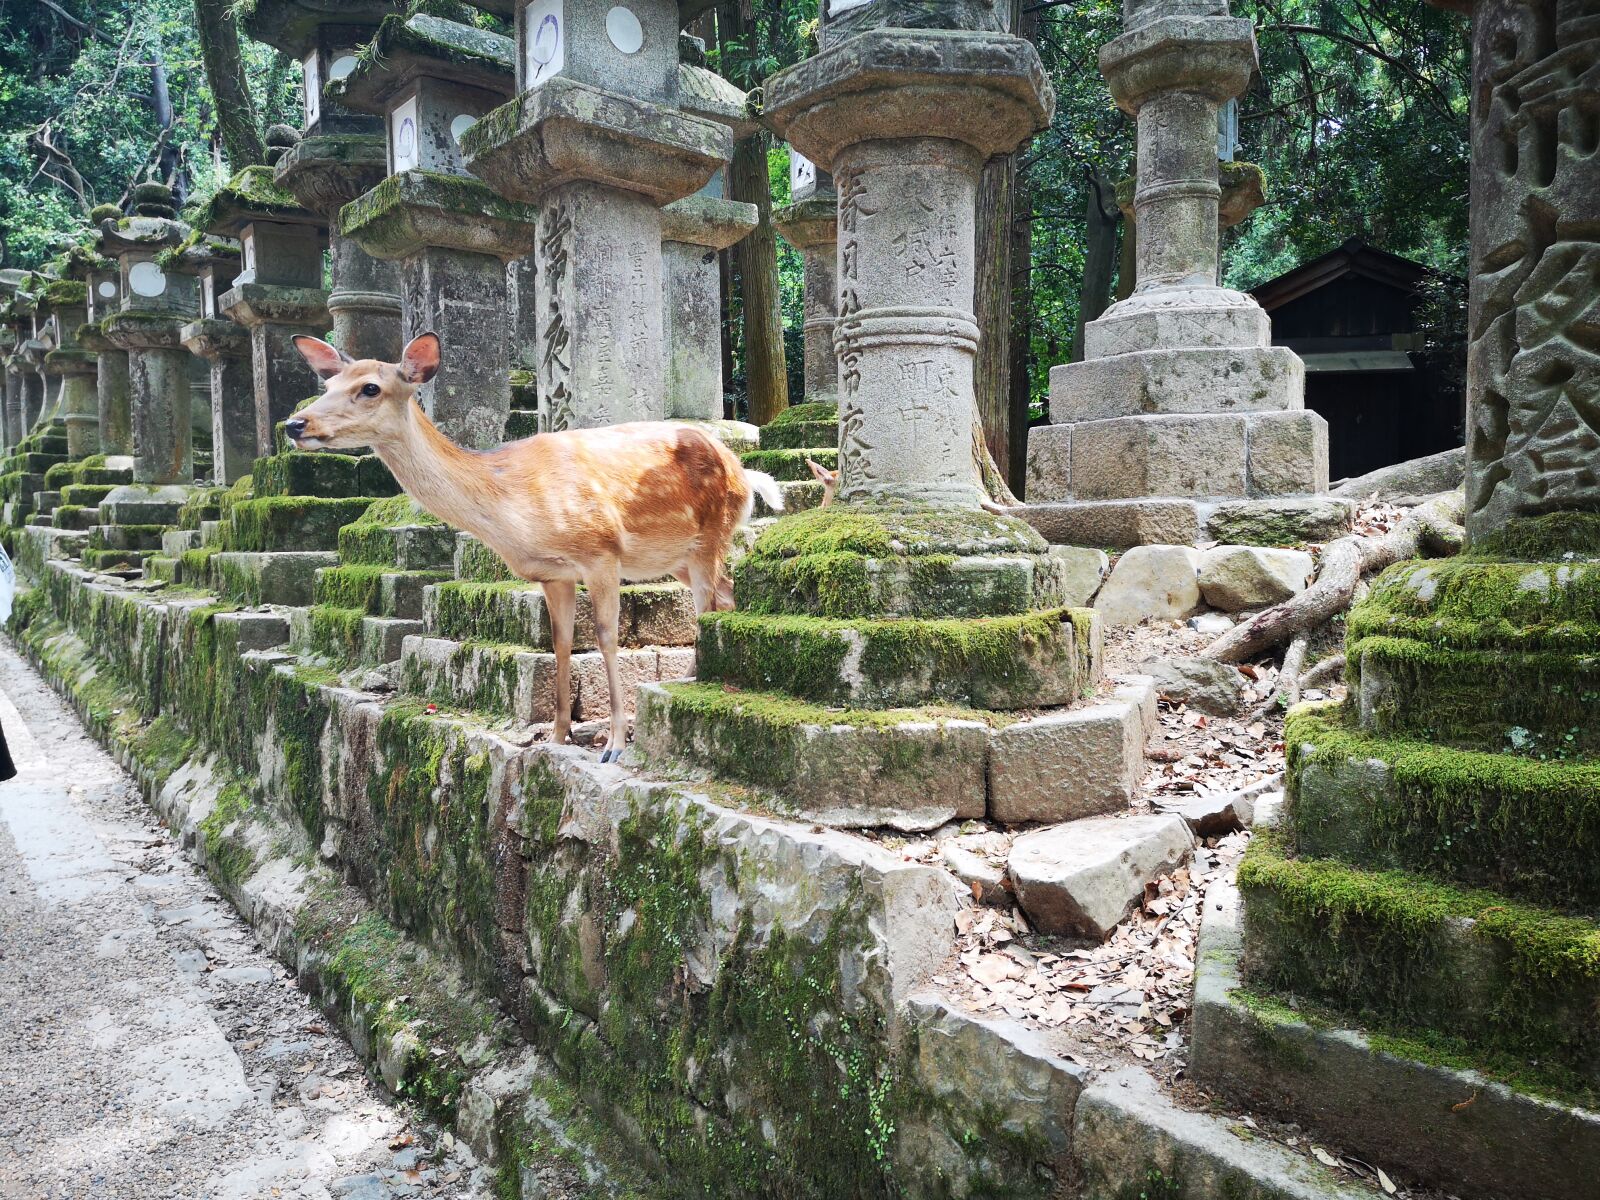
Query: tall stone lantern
432	80
27	357
277	293
1181	405
596	139
14	322
155	305
66	303
225	346
338	156
810	223
113	390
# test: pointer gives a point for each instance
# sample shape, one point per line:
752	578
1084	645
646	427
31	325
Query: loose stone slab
1115	523
1280	522
1071	764
271	577
1450	1126
1234	578
1151	582
1084	877
1205	684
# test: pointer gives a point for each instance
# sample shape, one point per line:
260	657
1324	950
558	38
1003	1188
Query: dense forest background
1358	118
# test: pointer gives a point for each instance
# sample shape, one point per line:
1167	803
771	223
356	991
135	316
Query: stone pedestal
112	388
1180	398
235	438
74	365
593	141
693	230
1453	775
30	362
11	414
811	225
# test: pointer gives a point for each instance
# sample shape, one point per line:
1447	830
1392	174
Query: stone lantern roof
252	195
292	25
425	46
703	93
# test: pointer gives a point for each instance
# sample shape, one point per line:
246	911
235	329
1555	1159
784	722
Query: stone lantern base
1432	888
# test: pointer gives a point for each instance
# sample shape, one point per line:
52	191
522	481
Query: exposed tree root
1432	528
1326	670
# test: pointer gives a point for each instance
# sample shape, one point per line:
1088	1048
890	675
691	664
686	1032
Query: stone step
175	541
1083	878
1034	660
511	681
163	567
142	507
1404	948
514	613
798	496
473	562
1479	819
277	523
278	577
376	590
42	519
113	560
1424	1108
349	635
75	516
1130	1139
127	537
45	501
322	473
35	463
909	768
397	534
801	427
790	465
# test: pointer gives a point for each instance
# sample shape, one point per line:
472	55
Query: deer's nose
295	426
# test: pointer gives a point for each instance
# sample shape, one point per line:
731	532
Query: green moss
359	586
290	522
227	856
1551	537
1467	604
381	220
788	465
1425	954
249	194
803	414
1530	827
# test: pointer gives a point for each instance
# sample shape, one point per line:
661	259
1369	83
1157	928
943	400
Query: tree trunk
237	122
1128	264
766	373
1099	257
991	371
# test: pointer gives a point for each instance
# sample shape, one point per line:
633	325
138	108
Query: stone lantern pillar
31	349
1181	403
10	338
810	223
338	156
74	365
24	385
597	141
432	80
277	293
40	346
112	388
225	347
155	305
906	335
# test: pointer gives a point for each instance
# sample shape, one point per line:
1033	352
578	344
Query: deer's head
363	403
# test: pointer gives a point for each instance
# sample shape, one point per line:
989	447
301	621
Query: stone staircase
23	472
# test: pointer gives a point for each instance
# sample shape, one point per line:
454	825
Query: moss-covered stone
802	426
789	465
319	474
1405	948
1555	537
289	522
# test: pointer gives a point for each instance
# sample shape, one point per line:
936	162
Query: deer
596	507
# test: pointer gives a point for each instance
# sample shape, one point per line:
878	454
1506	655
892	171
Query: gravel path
148	1047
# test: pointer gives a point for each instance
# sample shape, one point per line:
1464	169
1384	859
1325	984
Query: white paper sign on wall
802	172
835	7
403	137
208	296
545	38
311	76
147	279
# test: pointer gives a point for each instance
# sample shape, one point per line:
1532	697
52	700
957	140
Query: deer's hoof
609	756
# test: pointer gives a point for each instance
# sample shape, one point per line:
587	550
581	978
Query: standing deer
590	506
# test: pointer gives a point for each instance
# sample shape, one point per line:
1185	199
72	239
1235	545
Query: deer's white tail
765	486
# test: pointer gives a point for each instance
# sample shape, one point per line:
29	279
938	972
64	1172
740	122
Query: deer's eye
371	389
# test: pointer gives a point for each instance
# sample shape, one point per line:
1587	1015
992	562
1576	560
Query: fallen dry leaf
1385	1182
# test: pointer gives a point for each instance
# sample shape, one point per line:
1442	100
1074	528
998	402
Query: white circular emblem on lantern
624	30
147	279
107	290
461	124
342	66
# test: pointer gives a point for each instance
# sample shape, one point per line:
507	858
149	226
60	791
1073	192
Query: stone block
1070	764
1130	1139
276	577
1443	1125
1280	522
501	680
1199	379
1234	578
1184	455
1083	570
594	693
1049	477
1160	583
1116	524
912	774
1288	454
1084	877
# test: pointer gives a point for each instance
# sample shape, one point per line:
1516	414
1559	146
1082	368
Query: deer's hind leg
605	594
561	603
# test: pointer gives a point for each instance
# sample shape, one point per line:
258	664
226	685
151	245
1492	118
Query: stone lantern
276	295
26	358
155	305
113	389
432	80
66	302
693	231
810	223
338	155
225	346
11	337
596	140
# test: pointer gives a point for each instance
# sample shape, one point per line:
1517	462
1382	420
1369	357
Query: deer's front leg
561	603
605	594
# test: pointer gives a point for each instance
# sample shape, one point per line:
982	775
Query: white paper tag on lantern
403	126
545	38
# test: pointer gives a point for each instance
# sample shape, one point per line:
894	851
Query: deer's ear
420	362
824	476
325	360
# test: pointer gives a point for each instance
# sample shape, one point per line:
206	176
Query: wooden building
1352	315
